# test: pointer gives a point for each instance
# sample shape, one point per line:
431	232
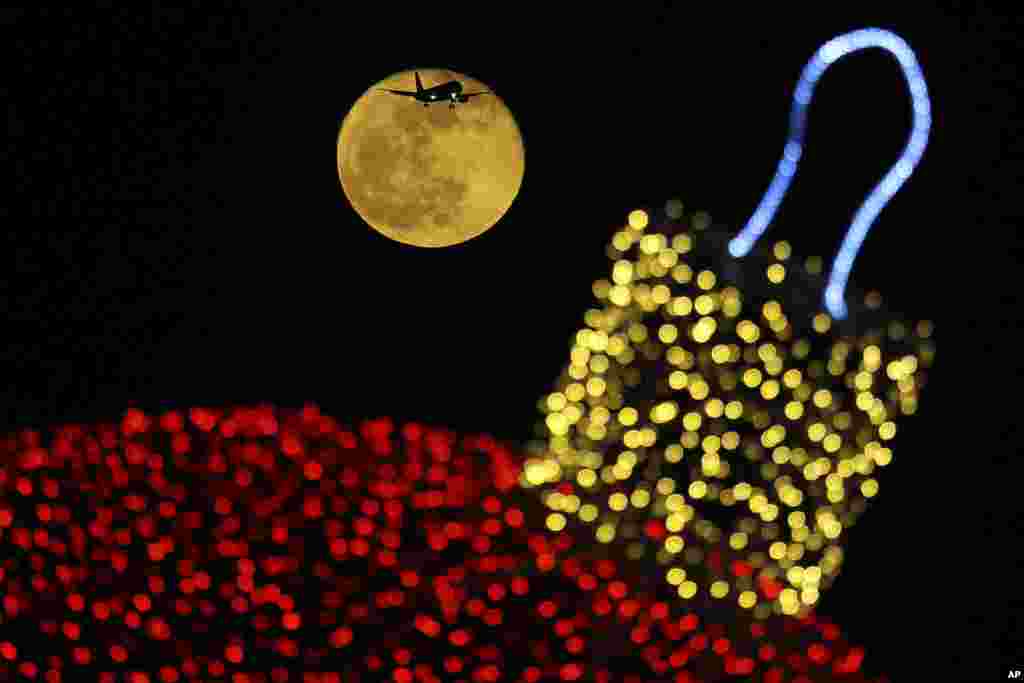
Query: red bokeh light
243	543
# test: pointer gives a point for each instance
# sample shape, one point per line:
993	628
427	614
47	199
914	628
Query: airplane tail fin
419	83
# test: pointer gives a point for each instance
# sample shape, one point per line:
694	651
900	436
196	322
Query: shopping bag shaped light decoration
723	410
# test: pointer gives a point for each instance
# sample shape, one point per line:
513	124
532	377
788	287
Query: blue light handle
826	55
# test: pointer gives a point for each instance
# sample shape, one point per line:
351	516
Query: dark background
174	233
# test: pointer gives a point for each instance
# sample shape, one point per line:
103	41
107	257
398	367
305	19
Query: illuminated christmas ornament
712	415
247	544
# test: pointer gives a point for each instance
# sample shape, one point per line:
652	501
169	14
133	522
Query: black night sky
174	233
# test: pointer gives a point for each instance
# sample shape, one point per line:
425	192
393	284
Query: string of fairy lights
751	443
826	55
260	544
709	414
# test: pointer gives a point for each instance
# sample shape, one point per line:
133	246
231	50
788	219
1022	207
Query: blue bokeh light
829	53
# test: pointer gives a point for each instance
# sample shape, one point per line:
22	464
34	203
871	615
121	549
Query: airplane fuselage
449	92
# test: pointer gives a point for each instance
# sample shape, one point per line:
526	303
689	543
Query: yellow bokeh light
704	304
586	478
555	521
640	498
748	331
692	421
622	273
668	333
706	279
651	244
605	533
702	331
638	219
674	544
682	273
618	502
752	377
628	416
794	410
723	407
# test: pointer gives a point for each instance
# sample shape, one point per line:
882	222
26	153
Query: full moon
430	176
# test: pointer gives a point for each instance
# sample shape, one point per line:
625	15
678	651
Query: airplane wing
467	95
407	93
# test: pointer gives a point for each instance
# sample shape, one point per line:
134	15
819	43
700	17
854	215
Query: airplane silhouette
451	91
